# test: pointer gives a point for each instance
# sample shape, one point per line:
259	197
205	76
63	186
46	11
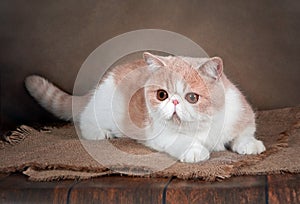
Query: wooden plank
3	176
116	189
17	189
244	189
284	188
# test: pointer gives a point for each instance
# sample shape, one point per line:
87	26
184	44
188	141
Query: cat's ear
213	68
153	61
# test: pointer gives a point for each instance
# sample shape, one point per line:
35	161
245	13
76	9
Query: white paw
96	134
107	134
250	146
195	153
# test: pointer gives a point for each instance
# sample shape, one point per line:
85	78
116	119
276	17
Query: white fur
191	140
179	130
232	111
247	144
195	144
96	121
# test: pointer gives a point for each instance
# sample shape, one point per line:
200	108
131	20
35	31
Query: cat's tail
55	100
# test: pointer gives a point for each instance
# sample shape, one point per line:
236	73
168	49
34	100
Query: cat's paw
195	153
96	134
249	146
108	134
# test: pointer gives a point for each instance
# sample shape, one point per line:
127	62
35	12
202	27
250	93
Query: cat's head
183	89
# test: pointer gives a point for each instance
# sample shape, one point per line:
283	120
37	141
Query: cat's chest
171	129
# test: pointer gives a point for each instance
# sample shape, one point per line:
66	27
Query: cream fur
188	132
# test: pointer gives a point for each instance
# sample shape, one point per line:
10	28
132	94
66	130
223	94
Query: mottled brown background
258	40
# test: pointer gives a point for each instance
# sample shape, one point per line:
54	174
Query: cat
183	106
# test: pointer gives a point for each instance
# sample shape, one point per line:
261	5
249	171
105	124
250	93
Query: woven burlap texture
57	153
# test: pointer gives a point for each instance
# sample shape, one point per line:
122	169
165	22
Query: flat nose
175	102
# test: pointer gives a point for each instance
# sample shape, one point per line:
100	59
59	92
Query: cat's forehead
188	62
178	81
178	62
181	74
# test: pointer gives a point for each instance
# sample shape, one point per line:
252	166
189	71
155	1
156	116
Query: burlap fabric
57	153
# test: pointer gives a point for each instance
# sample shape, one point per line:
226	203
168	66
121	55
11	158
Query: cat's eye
192	97
161	95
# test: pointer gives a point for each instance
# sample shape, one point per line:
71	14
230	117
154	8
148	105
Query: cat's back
120	71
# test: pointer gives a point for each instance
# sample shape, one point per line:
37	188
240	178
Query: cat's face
170	97
177	91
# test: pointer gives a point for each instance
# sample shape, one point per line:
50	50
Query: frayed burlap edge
60	174
281	143
16	136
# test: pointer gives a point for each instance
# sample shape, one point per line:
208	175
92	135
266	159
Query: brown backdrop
258	40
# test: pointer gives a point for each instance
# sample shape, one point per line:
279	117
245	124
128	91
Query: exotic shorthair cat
184	106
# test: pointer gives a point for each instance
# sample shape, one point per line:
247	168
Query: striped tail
55	100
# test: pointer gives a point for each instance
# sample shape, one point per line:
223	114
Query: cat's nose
175	102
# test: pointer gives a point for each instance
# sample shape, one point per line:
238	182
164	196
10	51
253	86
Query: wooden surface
235	190
284	189
115	189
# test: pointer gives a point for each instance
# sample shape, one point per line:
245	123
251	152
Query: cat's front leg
195	153
95	133
182	147
246	143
